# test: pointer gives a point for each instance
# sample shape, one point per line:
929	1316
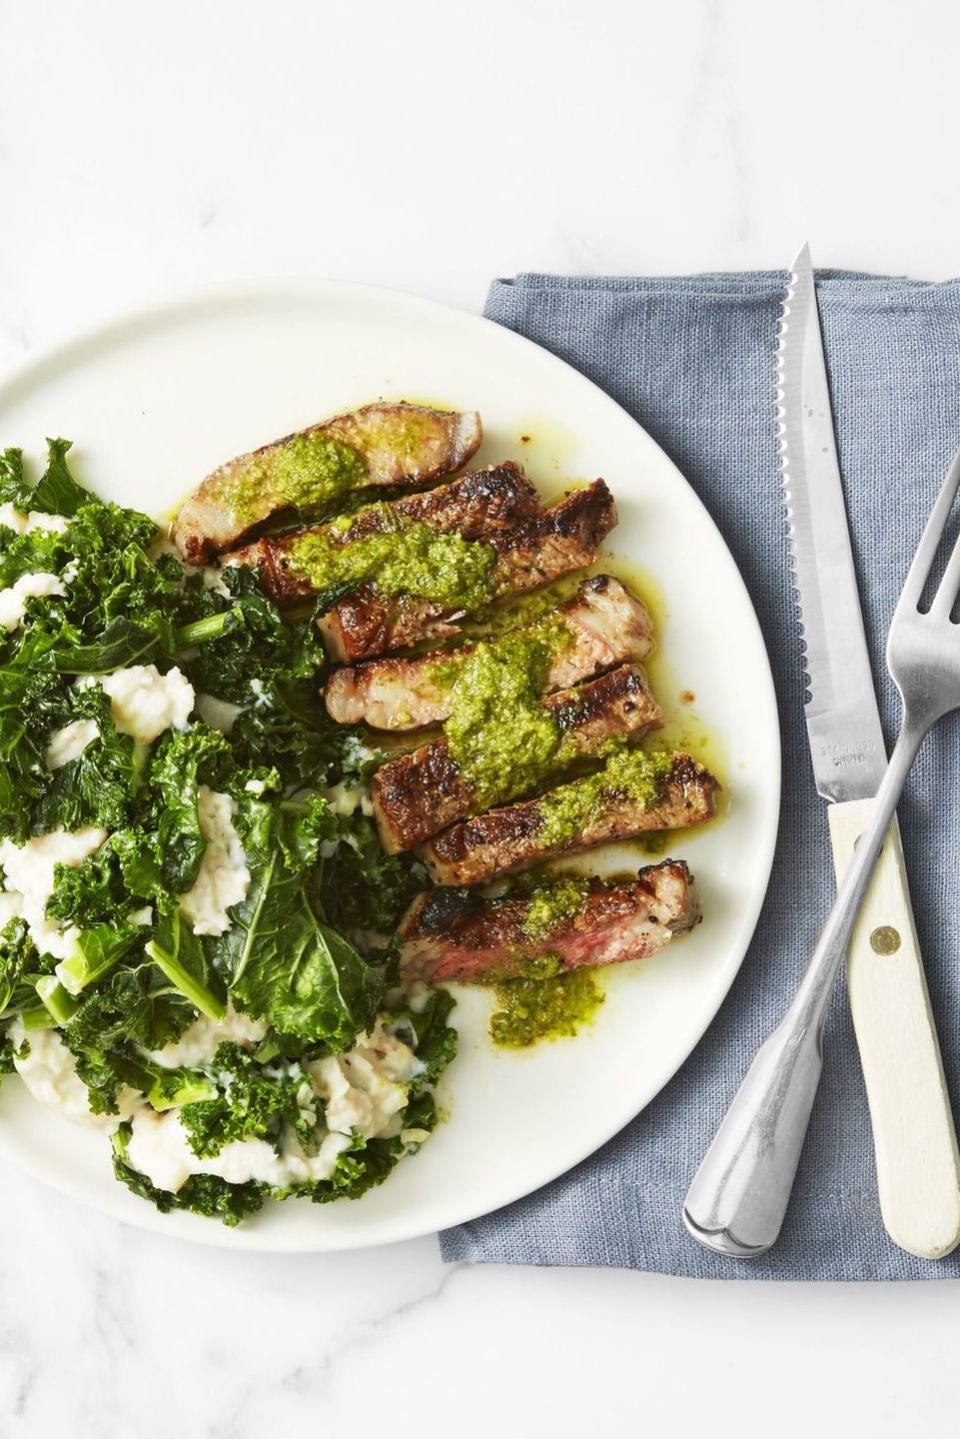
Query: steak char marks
447	935
557	542
392	445
605	626
505	840
475	505
418	794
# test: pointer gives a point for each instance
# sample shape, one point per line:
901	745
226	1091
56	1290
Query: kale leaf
366	1165
95	952
281	959
427	1031
183	759
32	703
288	723
361	886
99	786
122	643
181	957
88	893
202	1194
249	1102
17	956
243	638
57	492
15	489
120	1016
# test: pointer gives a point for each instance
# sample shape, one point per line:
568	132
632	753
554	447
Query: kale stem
61	1005
188	985
200	632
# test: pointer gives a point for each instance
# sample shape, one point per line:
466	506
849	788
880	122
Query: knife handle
918	1167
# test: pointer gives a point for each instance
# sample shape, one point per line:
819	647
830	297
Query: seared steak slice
562	539
378	445
416	795
475	505
504	840
448	935
605	624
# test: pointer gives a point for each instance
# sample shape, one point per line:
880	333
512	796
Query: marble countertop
145	148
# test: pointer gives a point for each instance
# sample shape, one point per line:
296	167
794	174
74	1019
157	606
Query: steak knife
918	1171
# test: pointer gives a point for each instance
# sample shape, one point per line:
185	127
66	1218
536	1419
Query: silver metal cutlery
739	1195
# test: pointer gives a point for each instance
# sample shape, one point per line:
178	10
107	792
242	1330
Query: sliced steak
562	539
475	505
416	795
378	445
504	840
606	626
448	935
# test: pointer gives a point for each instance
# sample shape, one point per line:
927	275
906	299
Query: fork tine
943	600
930	540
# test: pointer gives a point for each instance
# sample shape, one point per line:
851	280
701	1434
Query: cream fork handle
918	1167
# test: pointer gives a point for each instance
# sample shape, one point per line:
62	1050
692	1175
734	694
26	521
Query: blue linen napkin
692	359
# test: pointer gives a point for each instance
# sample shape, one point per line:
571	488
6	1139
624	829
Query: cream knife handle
918	1168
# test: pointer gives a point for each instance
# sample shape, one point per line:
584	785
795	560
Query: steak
562	539
449	935
606	626
504	840
391	445
475	505
416	795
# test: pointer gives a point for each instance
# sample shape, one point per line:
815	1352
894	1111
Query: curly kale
288	723
361	887
92	892
250	1102
202	1194
182	761
427	1031
18	965
244	645
131	1010
187	964
367	1165
32	704
15	488
57	492
99	786
305	949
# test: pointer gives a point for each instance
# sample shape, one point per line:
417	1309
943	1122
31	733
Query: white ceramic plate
156	400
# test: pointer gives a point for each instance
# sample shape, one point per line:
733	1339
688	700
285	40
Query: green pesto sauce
552	903
307	471
499	733
535	608
411	559
543	1004
567	809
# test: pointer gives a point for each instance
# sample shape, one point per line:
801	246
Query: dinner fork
739	1194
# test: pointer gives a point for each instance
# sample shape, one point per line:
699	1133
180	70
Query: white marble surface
430	146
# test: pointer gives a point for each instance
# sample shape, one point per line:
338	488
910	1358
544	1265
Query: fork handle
739	1195
918	1167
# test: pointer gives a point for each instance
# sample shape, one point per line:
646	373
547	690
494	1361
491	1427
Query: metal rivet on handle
885	939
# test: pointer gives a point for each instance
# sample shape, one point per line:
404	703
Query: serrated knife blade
843	723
